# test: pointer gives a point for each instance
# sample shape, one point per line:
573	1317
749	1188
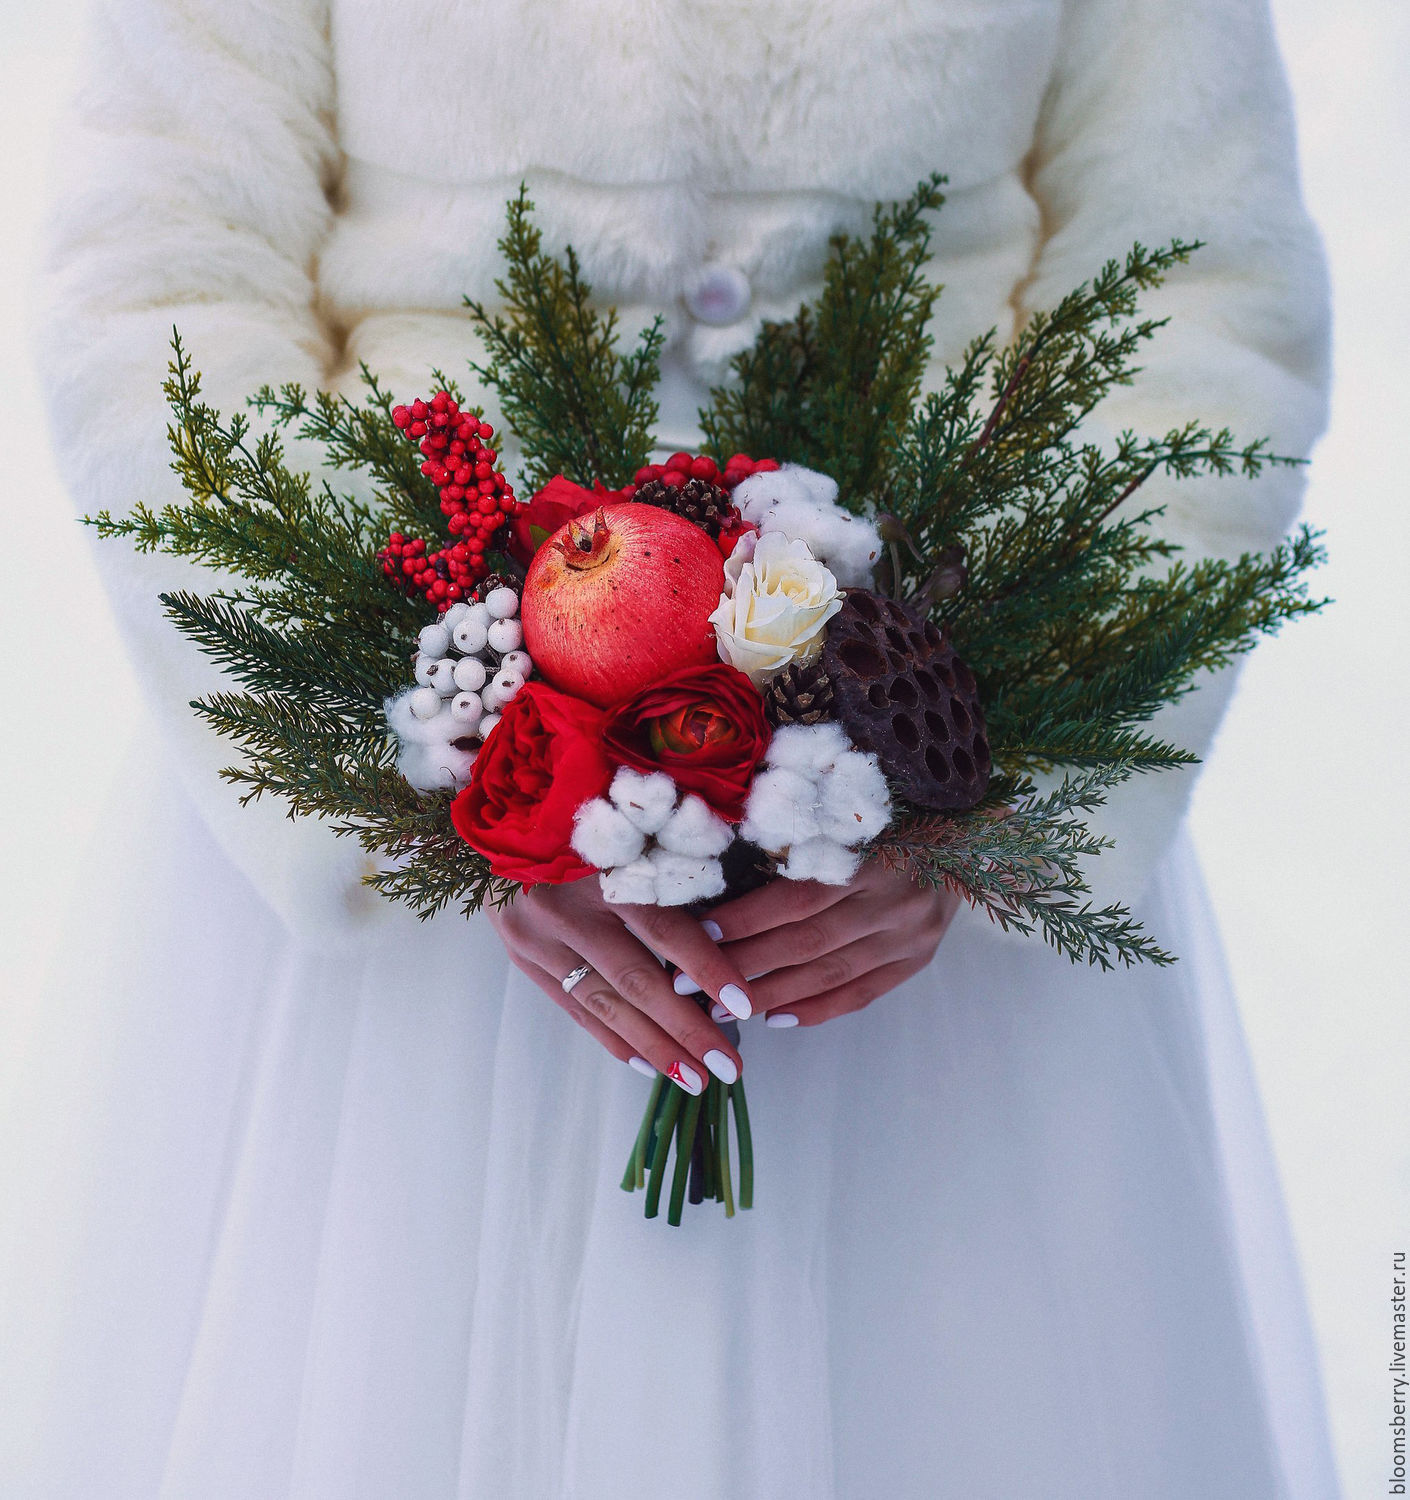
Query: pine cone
493	581
705	504
799	695
901	691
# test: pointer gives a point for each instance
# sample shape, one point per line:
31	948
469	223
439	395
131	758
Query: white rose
778	599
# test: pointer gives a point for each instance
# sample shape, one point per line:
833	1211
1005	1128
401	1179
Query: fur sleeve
1167	120
197	161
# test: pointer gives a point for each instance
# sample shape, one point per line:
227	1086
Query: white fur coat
303	184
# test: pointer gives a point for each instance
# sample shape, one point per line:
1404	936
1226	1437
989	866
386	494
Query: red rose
557	503
539	765
705	726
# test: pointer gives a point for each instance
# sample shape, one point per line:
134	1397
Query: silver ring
576	977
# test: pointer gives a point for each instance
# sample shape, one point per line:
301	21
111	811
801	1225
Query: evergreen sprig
576	403
307	624
833	387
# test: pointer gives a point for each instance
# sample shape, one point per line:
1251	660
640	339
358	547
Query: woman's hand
825	950
628	1001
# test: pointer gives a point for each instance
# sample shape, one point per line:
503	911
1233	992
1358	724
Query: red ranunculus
704	726
539	765
557	503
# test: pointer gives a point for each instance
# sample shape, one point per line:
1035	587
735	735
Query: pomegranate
617	601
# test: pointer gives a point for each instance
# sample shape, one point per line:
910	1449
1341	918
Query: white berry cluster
652	849
815	800
802	504
468	665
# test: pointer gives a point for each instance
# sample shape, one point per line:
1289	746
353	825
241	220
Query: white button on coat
718	295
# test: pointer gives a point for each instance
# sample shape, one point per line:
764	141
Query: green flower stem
685	1141
720	1108
635	1175
746	1145
709	1177
670	1109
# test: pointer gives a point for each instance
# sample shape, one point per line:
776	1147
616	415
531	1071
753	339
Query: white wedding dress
312	1202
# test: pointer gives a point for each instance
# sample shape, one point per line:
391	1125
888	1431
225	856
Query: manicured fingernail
721	1064
686	1076
713	930
683	984
642	1066
718	1013
752	977
736	1002
780	1019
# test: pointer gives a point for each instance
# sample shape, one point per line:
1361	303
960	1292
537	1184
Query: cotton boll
630	885
467	709
470	674
430	768
781	810
471	634
822	860
821	488
434	640
852	549
604	836
425	702
502	603
808	748
518	661
647	798
756	496
694	830
855	802
681	879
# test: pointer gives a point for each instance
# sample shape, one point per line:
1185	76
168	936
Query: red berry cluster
680	467
476	500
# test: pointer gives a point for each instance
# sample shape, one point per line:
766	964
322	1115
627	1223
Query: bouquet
863	623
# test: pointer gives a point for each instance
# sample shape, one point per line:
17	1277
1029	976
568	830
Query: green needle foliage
1030	546
307	625
577	405
833	388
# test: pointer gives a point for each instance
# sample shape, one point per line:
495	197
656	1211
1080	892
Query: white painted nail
780	1019
718	1013
686	1076
721	1064
713	930
642	1066
683	984
736	1002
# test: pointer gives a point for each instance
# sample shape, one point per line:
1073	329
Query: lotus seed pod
425	703
434	640
470	635
470	674
502	603
901	692
506	636
467	709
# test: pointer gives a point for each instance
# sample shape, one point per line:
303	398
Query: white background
1301	814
